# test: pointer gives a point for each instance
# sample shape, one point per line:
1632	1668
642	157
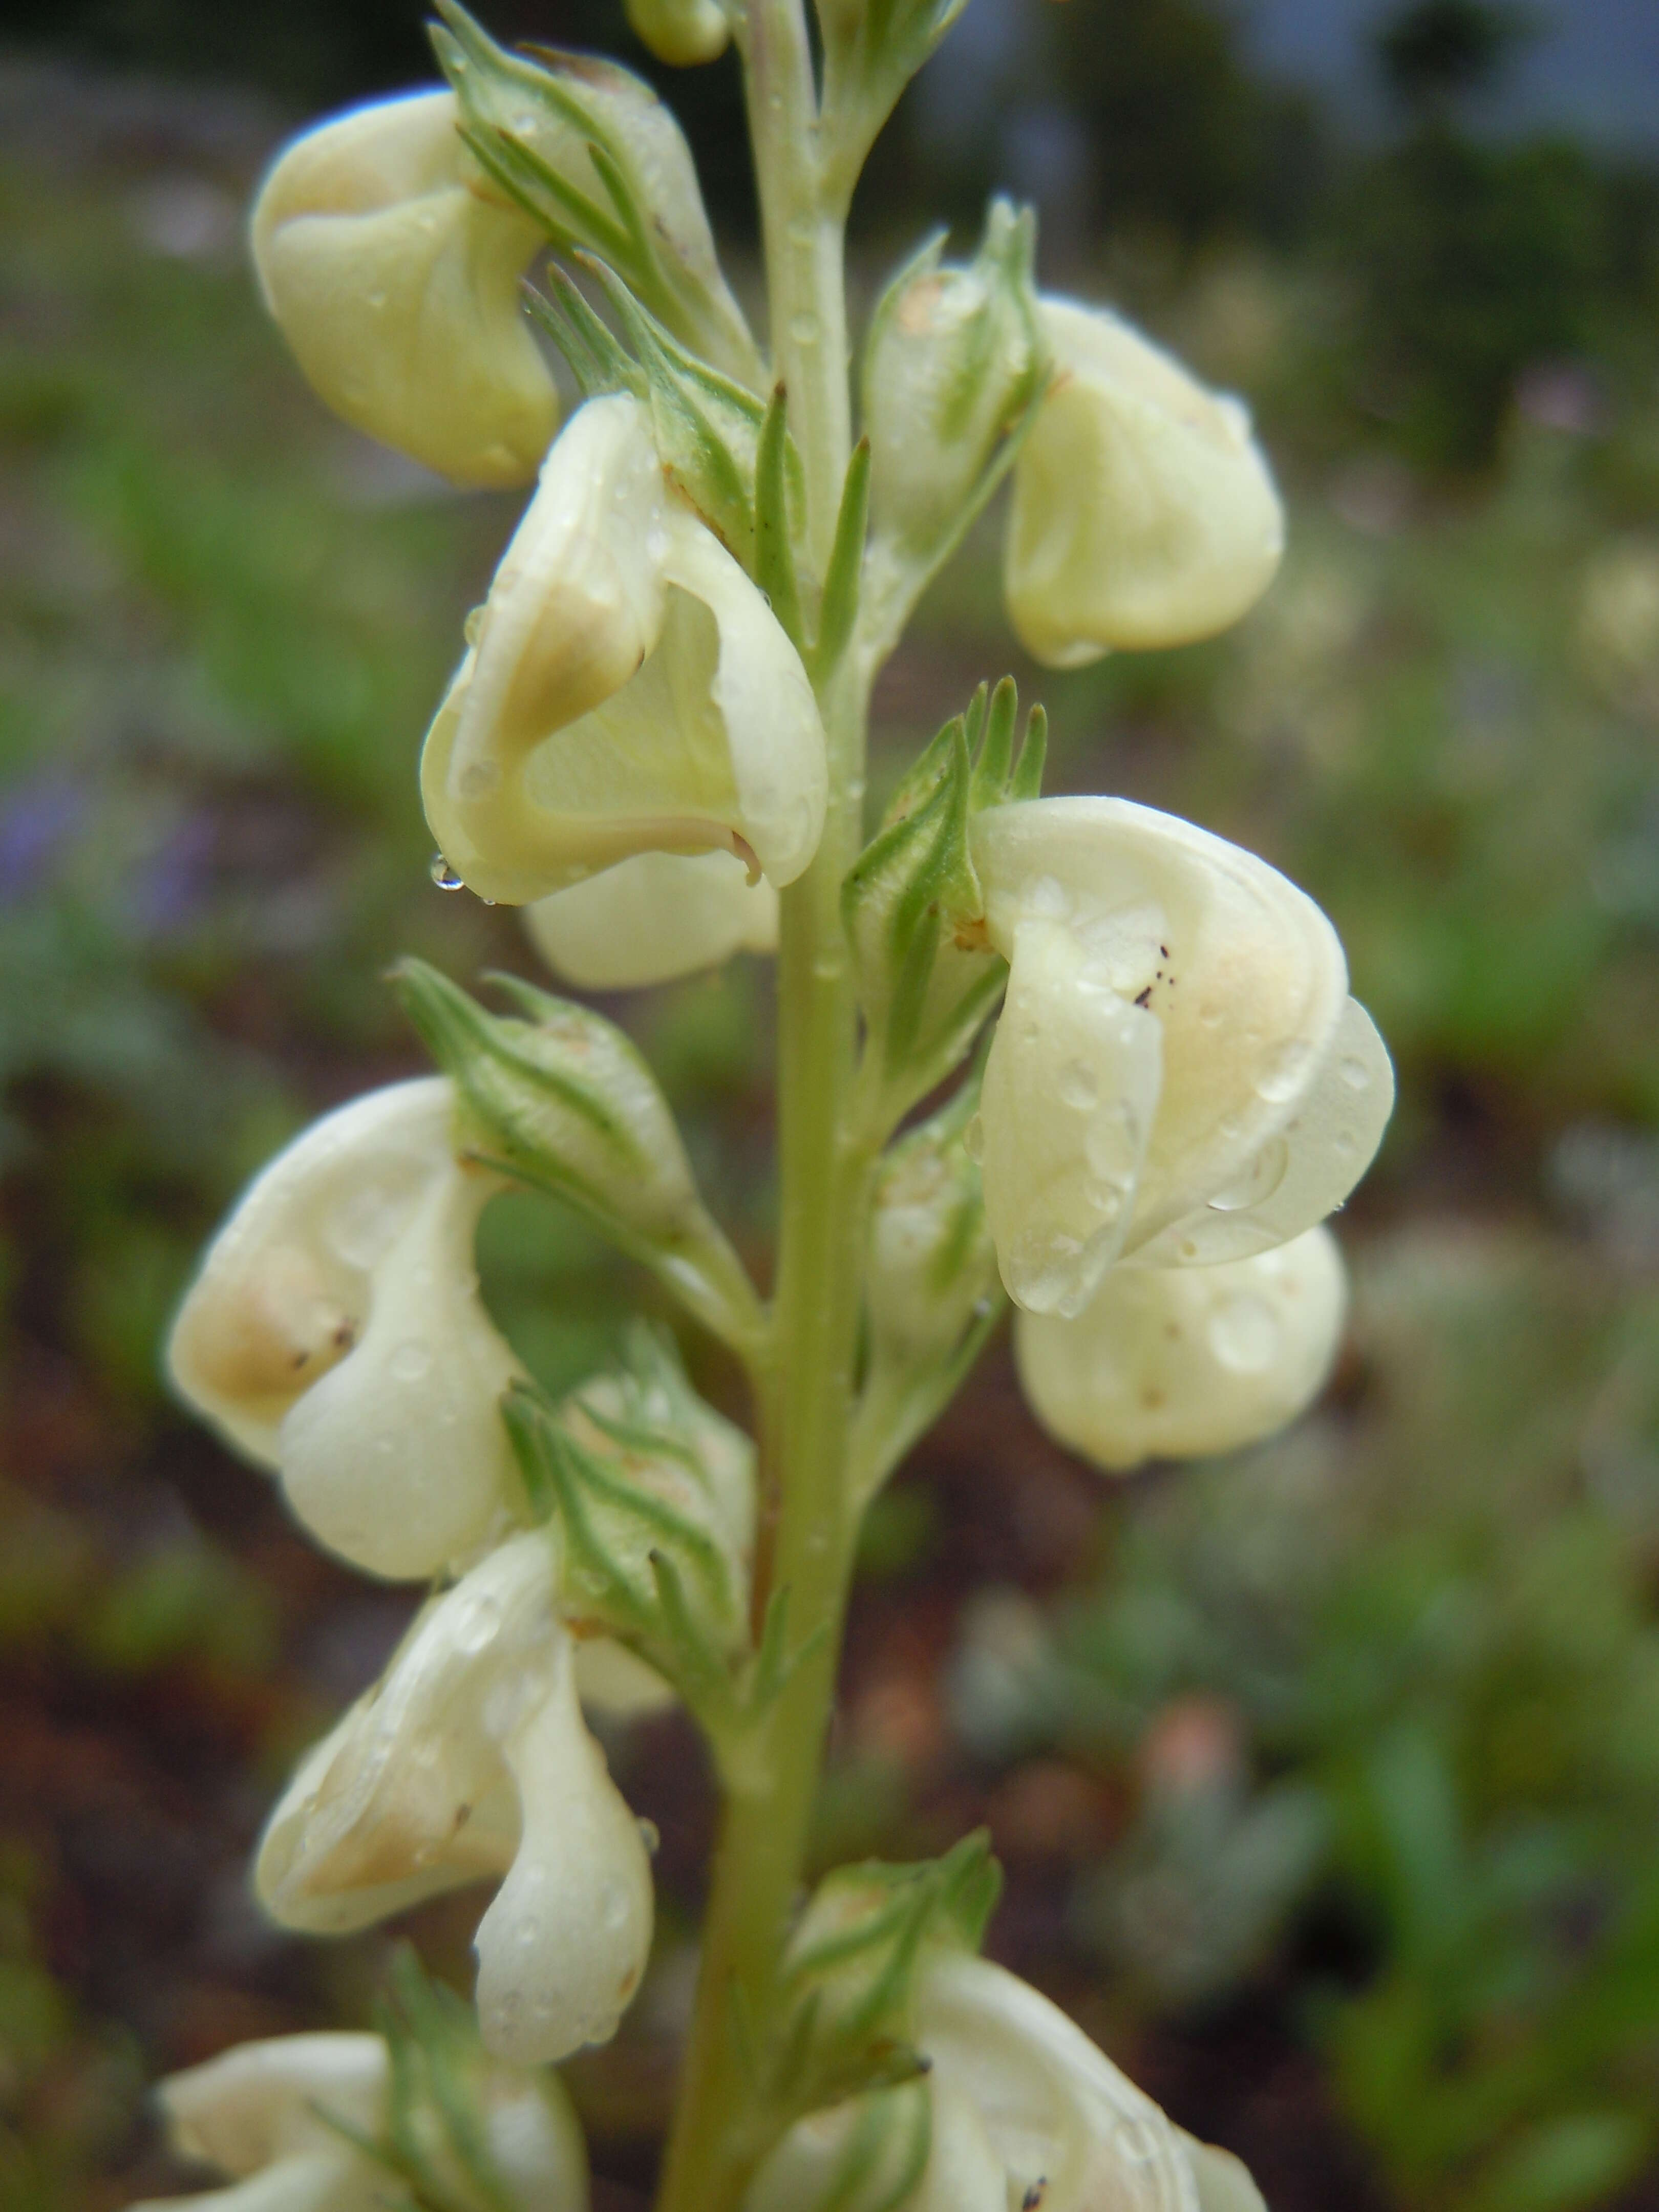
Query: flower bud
1178	1075
265	2114
627	689
1144	514
932	1261
471	1758
681	32
953	357
654	918
1179	1363
335	1333
393	271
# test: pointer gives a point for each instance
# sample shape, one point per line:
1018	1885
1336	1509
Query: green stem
824	1171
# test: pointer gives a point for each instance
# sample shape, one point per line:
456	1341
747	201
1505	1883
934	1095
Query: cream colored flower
335	1333
471	1758
651	918
1177	1363
1144	514
392	268
261	2114
1178	1075
627	689
1025	2110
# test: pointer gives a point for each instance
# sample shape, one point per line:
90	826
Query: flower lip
1122	912
628	690
334	1333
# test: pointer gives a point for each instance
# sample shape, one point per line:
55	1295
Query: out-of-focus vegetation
1327	1779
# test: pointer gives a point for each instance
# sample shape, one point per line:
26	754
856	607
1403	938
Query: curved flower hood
335	1333
1178	1363
392	271
1144	514
654	918
627	689
1178	1075
1024	2110
470	1759
261	2114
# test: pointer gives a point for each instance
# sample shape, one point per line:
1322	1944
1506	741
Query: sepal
865	2154
850	1975
931	1293
708	427
871	49
591	154
913	905
565	1102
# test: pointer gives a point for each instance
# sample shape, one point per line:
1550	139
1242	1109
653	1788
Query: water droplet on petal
1244	1333
1355	1074
1079	1086
443	875
1259	1180
479	777
973	1137
410	1360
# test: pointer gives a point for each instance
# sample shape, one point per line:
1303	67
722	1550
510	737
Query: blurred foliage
1356	1738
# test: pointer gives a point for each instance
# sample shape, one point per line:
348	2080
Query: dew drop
1259	1180
1355	1074
1283	1076
804	329
1345	1144
613	1908
1244	1333
443	875
1079	1086
529	1935
650	1836
1209	1017
973	1137
410	1360
802	230
479	777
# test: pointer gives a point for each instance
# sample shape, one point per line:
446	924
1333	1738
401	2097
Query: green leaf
842	581
565	1102
775	558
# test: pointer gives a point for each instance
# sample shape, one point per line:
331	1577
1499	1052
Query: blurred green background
1326	1777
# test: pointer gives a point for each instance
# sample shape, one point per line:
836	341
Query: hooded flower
1178	1363
266	2114
651	918
335	1333
392	268
471	1758
1144	514
1025	2111
627	689
1178	1075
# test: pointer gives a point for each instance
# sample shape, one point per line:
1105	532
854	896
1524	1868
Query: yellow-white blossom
651	918
1178	1075
335	1333
1180	1362
1025	2110
392	268
471	1758
1144	513
262	2114
627	689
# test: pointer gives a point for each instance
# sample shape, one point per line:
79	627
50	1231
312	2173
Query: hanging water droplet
650	1836
1259	1180
443	875
1244	1333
